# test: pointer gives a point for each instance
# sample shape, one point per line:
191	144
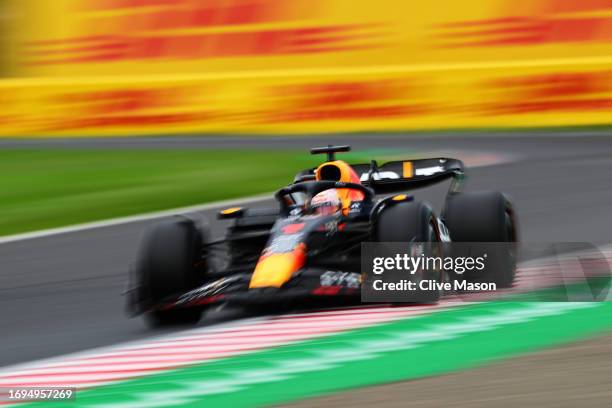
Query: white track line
194	391
134	218
471	159
154	355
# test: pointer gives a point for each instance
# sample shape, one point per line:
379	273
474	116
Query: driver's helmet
326	202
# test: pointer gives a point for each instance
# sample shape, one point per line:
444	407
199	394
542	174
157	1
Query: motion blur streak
89	87
119	68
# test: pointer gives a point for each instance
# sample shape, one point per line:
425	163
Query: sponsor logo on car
338	278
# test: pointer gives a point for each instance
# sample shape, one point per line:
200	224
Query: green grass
49	188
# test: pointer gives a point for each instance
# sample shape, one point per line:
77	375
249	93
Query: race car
307	248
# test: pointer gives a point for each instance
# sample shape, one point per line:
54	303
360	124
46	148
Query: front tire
170	262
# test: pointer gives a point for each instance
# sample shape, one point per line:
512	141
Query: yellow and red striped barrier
121	67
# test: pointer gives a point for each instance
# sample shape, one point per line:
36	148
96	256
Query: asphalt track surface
62	293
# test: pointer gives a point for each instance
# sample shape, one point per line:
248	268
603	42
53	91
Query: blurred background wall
125	67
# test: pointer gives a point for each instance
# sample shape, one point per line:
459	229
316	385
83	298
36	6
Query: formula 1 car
307	247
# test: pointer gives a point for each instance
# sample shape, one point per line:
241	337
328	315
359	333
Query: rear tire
170	263
485	217
411	222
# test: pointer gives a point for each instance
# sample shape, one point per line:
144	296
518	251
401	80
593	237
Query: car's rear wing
402	175
397	176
